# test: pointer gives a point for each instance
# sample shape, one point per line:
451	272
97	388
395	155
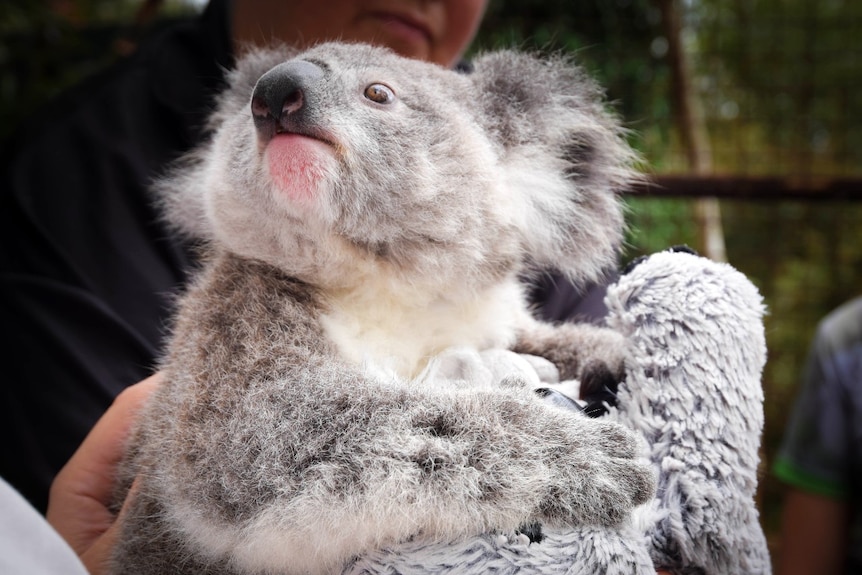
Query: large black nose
280	96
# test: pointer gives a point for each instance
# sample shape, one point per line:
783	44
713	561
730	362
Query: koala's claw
599	388
681	248
633	264
533	531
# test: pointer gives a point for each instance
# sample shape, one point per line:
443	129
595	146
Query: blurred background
747	114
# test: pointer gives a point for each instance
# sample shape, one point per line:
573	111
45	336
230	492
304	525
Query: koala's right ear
182	191
564	155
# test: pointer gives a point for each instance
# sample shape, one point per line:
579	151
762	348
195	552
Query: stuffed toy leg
692	392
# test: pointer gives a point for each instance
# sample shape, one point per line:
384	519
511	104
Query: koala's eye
380	93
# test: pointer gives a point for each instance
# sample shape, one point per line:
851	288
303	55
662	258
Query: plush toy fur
347	373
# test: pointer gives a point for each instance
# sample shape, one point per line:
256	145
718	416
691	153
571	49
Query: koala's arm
574	348
272	449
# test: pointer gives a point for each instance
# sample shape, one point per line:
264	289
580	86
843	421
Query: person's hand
81	492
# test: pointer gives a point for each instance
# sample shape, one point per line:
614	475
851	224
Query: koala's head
349	158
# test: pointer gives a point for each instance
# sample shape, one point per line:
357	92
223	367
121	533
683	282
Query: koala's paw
595	395
604	475
601	354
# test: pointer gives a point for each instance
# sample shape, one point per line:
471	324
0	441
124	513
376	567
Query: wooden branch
750	187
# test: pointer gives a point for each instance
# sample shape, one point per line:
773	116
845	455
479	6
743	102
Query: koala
333	379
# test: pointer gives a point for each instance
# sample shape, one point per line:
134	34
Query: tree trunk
692	131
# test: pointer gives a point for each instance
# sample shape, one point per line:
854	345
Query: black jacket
87	270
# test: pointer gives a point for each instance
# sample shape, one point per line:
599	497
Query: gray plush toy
350	380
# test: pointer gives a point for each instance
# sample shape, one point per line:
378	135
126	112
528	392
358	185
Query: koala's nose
283	91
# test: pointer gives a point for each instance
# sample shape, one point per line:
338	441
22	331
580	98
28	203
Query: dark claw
533	531
598	389
682	248
633	264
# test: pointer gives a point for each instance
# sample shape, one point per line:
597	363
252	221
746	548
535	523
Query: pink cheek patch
297	164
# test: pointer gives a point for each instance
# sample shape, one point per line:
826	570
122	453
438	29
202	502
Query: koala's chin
332	380
298	165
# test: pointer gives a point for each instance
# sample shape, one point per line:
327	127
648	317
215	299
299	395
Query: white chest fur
393	335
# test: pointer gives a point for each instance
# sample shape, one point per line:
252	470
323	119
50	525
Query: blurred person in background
820	458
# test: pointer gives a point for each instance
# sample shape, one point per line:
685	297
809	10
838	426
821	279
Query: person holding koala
88	271
534	208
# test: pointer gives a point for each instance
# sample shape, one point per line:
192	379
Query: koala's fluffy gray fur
299	425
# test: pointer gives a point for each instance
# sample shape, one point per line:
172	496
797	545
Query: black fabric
555	299
87	271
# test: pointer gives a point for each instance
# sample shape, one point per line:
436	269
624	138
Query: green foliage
806	259
614	41
654	224
780	81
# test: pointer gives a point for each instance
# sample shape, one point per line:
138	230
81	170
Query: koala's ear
564	156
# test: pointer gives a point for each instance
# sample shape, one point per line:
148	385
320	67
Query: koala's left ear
564	155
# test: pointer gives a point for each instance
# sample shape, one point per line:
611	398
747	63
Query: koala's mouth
286	127
304	134
269	127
